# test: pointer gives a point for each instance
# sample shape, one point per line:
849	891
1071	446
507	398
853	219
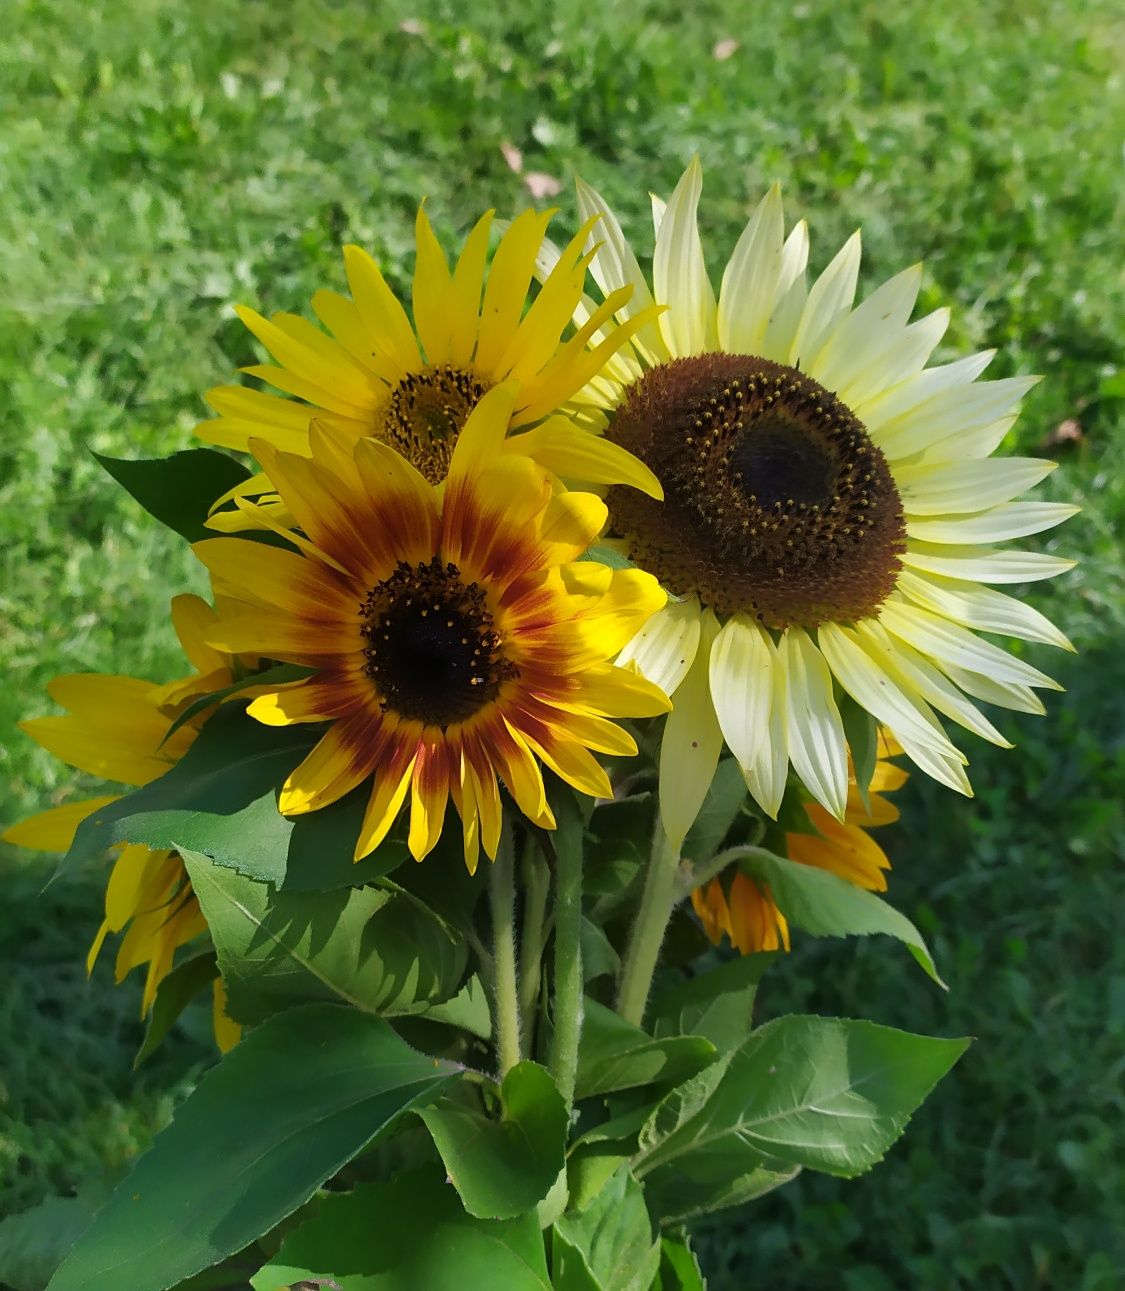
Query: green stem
661	891
568	947
505	999
536	884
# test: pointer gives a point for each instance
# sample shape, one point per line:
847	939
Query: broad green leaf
828	906
373	948
33	1242
295	1100
679	1270
468	1009
220	799
824	1093
862	734
716	1005
599	959
679	1195
725	799
173	995
614	1054
502	1168
410	1234
590	1166
616	852
613	1235
179	490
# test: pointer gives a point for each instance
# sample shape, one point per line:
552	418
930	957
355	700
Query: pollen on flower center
424	414
777	503
433	652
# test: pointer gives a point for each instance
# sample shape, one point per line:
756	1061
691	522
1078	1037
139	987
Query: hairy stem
536	876
661	891
505	997
568	947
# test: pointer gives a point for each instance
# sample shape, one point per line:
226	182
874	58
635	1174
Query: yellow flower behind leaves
743	909
412	383
114	728
456	638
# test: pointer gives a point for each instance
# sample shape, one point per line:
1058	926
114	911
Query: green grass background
159	161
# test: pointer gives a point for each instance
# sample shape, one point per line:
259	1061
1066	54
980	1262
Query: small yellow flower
114	728
744	910
455	637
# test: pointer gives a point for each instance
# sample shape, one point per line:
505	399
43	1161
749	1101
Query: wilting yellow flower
744	910
830	509
413	384
115	728
455	638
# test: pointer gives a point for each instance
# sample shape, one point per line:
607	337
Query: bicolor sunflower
740	907
412	383
831	509
115	728
456	637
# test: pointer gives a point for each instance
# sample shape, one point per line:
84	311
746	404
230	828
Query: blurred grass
159	161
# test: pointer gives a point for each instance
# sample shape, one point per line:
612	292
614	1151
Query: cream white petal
984	564
867	332
920	677
997	524
860	660
951	412
659	206
973	444
664	649
614	265
743	669
918	389
817	747
980	608
789	296
829	300
767	773
679	273
904	357
692	742
1004	694
947	642
951	488
749	286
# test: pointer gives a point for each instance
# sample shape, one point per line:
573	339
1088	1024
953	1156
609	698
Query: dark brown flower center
424	414
433	653
776	502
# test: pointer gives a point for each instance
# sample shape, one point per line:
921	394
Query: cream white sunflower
832	508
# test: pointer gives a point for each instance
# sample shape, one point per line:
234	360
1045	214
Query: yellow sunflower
115	728
744	910
413	384
830	514
454	640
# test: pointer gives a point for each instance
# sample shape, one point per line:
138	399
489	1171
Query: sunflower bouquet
564	648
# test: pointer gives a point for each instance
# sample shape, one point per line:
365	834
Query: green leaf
503	1168
714	1182
468	1009
33	1242
179	490
599	959
679	1270
605	554
278	675
220	799
292	1102
828	906
374	948
716	1005
616	852
862	734
173	995
410	1234
824	1093
610	1240
725	800
614	1054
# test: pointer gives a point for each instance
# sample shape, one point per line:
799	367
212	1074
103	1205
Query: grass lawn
160	161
